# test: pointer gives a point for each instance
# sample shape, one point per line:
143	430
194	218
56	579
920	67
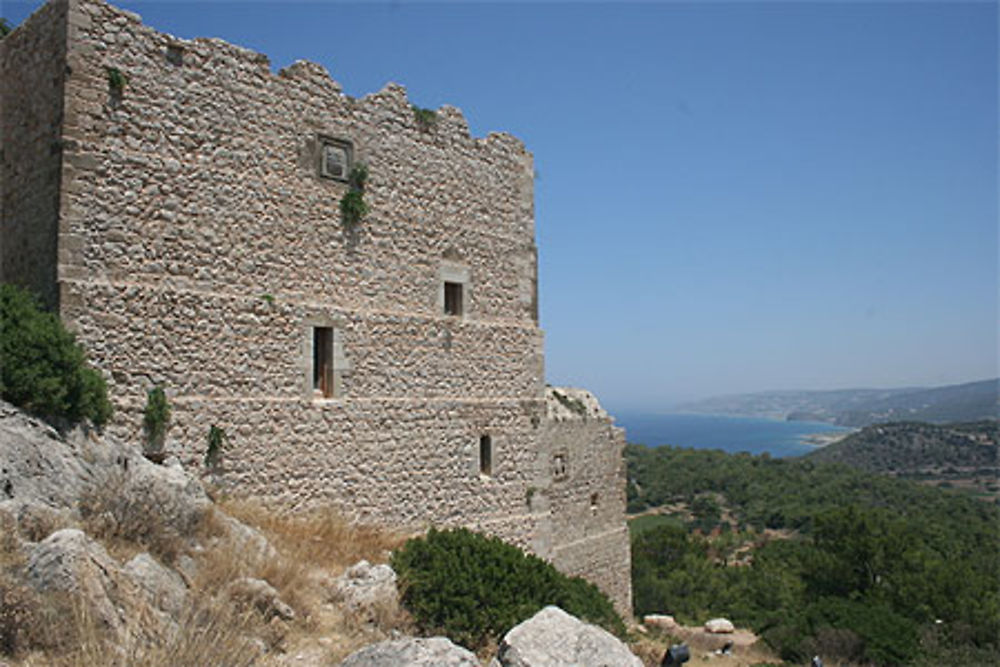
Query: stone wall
200	249
582	480
32	66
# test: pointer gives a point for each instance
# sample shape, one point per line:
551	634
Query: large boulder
162	587
68	561
412	652
553	638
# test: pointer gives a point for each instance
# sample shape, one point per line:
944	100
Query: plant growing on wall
217	438
156	418
5	28
352	205
116	81
426	118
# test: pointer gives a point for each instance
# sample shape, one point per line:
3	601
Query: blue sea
730	434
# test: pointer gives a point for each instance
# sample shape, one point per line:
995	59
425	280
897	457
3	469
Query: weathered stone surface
164	588
71	562
36	466
365	588
553	638
719	626
412	652
260	595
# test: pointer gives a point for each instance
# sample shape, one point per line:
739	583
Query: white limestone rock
365	588
412	652
719	626
553	638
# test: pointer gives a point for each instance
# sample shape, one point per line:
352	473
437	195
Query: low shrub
475	588
42	368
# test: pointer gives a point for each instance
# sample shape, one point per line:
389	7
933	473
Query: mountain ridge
970	401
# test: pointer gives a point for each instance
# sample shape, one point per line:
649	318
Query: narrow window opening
593	503
323	361
559	469
486	455
452	298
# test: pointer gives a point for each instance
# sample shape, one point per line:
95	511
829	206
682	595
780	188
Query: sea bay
731	434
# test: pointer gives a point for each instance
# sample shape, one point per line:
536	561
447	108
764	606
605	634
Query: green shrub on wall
475	588
156	417
42	368
352	205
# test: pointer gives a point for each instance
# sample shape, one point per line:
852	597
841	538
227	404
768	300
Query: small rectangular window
323	361
452	298
486	455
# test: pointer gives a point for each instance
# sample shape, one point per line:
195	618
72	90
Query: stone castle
178	204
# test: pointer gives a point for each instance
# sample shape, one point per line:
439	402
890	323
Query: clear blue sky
731	196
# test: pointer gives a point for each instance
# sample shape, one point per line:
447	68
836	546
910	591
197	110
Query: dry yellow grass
318	537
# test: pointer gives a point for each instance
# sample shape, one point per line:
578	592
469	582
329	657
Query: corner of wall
33	63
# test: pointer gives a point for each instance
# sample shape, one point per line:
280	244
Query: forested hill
912	447
817	558
860	407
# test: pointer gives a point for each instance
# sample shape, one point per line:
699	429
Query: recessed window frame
322	169
454	295
453	298
486	455
322	367
328	384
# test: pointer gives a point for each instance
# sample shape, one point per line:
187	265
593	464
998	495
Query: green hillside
964	455
816	557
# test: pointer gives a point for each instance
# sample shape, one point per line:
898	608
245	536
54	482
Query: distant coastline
756	435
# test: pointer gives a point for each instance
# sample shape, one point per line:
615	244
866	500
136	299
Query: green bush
42	369
475	588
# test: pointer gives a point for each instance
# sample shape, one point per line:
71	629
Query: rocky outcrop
553	638
70	562
412	652
55	486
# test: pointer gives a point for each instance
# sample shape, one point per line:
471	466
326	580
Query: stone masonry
187	226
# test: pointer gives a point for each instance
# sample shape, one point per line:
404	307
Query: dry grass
128	524
319	538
